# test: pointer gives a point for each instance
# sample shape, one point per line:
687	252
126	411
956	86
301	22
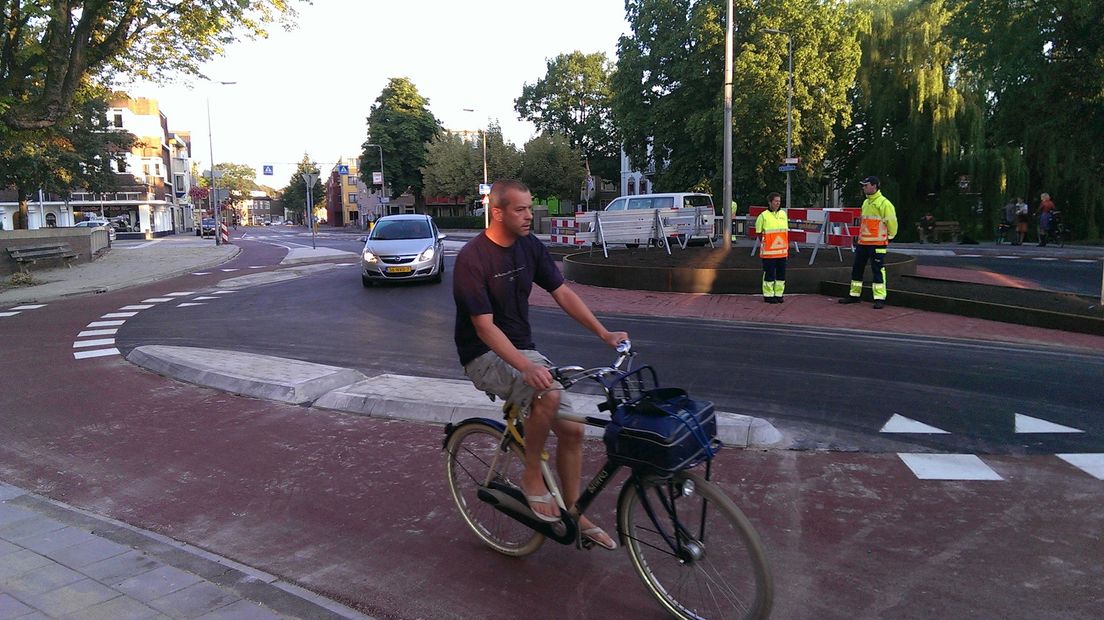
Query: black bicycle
695	551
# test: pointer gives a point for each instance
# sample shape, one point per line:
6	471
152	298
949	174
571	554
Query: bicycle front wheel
694	549
475	458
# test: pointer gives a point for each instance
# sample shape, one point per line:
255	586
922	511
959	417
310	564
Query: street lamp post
789	106
211	196
310	178
726	227
486	205
383	183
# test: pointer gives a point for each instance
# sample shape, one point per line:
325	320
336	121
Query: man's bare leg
541	414
569	465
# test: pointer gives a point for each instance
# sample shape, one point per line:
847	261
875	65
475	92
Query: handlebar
570	375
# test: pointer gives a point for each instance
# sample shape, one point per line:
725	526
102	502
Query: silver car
403	247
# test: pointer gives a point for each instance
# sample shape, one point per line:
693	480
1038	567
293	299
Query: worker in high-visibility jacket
773	228
878	226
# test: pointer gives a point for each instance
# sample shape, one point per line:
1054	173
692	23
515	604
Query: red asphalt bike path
357	508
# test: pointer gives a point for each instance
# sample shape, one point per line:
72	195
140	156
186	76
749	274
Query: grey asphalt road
825	388
1055	273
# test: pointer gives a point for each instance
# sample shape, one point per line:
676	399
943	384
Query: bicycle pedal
587	543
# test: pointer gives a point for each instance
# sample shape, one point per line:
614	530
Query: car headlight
426	255
369	257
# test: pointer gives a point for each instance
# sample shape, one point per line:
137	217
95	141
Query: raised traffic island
714	270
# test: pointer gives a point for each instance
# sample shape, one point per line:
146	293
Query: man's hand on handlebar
537	376
615	338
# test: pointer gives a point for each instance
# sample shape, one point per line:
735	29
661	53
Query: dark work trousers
774	269
865	254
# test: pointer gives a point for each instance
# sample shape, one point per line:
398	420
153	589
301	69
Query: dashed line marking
1048	258
1028	424
180	294
202	273
156	300
29	307
948	467
105	323
222	292
137	307
186	304
118	315
1083	260
80	355
205	297
257	266
82	344
1012	257
227	270
97	332
1091	464
8	313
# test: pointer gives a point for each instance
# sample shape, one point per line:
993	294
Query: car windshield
388	230
208	221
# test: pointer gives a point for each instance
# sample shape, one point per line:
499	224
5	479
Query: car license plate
399	269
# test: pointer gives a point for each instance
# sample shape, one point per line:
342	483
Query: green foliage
574	98
51	49
668	90
463	222
294	196
401	123
550	166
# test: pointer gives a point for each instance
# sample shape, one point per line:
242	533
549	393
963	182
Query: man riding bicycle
492	279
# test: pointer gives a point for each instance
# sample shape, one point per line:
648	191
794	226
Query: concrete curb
259	376
422	399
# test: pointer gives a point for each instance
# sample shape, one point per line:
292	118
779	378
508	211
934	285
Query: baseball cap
873	180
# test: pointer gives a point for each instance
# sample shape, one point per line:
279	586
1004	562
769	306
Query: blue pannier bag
659	429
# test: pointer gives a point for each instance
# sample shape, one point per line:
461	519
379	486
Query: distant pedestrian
927	228
1008	222
1046	209
1022	218
773	228
879	225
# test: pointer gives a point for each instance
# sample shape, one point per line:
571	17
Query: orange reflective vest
774	229
879	220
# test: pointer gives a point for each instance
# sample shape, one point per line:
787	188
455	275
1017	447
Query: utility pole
726	228
310	178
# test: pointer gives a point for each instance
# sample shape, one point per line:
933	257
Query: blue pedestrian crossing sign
267	170
343	169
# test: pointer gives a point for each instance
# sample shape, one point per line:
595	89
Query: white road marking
28	307
83	344
1007	257
969	255
948	467
1092	464
97	332
156	300
227	270
900	424
205	297
105	323
1044	258
185	305
118	315
257	266
8	313
180	294
137	307
222	292
1083	260
202	273
1028	424
97	353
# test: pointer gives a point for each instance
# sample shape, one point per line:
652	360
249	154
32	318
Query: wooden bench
31	254
949	228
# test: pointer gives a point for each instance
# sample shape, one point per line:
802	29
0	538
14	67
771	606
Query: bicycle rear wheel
694	549
471	452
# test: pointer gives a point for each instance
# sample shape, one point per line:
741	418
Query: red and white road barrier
565	231
224	233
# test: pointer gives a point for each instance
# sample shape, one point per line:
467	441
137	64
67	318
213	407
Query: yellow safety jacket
879	220
775	231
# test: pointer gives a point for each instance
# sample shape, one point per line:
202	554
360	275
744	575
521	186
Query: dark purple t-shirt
491	279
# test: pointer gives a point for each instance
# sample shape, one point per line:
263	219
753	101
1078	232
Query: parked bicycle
695	551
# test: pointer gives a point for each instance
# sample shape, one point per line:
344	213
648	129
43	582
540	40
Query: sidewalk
57	561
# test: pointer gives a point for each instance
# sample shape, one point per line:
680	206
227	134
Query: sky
310	90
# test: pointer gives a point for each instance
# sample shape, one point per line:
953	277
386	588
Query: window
351	180
352	199
640	203
51	220
122	164
118	121
617	205
632	187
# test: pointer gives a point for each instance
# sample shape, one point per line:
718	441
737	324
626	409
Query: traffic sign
787	168
484	189
377	178
343	169
267	170
791	160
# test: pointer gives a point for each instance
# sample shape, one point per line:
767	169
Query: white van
671	200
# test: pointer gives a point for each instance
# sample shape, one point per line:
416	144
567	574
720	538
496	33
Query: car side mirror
441	236
362	239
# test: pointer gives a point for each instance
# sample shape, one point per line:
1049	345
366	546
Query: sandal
596	535
542	499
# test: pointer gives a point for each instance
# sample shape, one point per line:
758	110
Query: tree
668	85
74	153
453	166
49	50
574	99
550	166
400	122
294	196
